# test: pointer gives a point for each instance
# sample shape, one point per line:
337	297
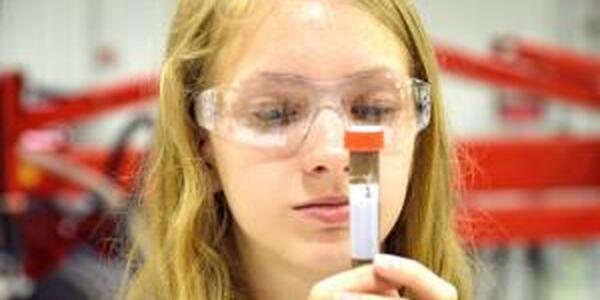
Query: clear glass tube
363	188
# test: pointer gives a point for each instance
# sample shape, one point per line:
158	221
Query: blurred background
521	80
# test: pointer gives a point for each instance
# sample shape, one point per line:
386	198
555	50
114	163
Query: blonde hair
184	249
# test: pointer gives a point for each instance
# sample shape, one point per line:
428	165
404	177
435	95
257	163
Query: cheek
394	175
253	185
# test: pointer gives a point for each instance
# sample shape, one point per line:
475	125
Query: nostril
320	169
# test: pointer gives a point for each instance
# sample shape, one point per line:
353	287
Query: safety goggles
275	112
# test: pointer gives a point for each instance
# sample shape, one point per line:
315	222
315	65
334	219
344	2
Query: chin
327	258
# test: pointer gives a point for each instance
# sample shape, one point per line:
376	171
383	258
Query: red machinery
543	70
39	230
559	175
532	189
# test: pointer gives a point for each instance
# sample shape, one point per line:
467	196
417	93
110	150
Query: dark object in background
83	276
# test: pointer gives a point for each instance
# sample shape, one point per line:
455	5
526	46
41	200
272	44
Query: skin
285	255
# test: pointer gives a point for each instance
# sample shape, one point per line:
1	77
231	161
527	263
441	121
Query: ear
207	154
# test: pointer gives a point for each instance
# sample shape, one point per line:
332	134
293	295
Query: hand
382	280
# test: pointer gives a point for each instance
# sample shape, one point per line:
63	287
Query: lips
328	210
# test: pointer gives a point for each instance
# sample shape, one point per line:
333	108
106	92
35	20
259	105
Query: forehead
315	39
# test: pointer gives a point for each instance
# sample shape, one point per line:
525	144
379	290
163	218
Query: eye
371	113
377	109
274	114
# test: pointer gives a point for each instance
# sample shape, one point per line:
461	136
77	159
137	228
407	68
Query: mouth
327	210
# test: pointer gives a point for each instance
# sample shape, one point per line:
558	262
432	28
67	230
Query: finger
360	296
360	280
419	279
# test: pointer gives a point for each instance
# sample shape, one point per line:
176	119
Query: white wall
474	23
47	39
55	41
136	30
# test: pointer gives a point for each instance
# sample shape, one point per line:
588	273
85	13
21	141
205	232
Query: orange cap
367	139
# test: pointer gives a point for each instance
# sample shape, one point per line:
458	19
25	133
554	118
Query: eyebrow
292	77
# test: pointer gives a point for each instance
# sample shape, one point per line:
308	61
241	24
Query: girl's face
317	41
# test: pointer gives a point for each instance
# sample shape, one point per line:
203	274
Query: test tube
364	144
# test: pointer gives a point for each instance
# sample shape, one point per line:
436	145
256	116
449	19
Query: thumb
358	280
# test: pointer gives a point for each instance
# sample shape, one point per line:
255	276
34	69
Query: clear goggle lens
276	115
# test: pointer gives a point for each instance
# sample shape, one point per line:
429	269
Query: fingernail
346	296
387	261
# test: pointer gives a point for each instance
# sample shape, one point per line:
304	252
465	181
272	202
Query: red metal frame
535	167
533	216
16	119
10	110
45	247
532	163
494	69
545	61
563	60
91	103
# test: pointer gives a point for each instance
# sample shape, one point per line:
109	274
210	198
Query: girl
246	197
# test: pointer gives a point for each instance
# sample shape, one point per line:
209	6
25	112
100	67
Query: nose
323	152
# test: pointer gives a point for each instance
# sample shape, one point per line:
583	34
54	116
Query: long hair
184	249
